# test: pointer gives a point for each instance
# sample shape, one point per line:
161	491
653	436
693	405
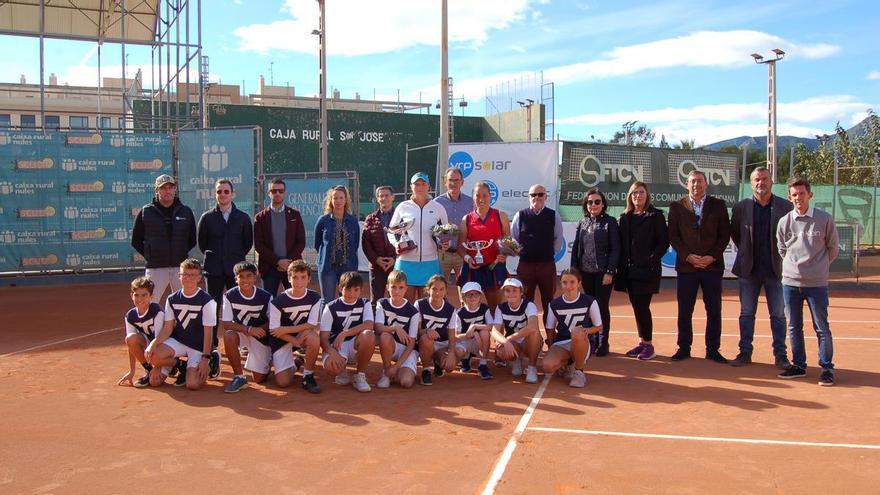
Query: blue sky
681	67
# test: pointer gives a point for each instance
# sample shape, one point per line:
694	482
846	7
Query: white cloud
724	49
356	27
874	75
710	123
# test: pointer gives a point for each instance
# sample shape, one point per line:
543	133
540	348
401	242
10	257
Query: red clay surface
67	427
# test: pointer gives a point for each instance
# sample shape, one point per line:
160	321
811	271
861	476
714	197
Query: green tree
641	136
663	143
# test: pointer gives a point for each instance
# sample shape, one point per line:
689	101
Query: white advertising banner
509	169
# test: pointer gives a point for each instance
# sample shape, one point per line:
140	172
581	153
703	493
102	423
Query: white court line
708	439
737	336
736	318
501	465
71	339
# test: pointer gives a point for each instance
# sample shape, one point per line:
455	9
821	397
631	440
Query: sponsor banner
614	168
509	169
74	194
205	157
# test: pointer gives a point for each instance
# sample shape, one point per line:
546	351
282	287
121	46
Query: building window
79	122
52	122
105	123
5	120
28	121
121	123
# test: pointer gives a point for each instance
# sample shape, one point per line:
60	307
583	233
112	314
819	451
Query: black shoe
175	368
782	362
602	350
716	356
310	385
426	377
681	354
484	372
793	372
143	381
466	365
214	365
741	359
181	373
826	379
439	371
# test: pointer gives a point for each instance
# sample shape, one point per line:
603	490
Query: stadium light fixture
771	106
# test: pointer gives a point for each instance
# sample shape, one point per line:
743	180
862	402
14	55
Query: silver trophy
477	246
401	230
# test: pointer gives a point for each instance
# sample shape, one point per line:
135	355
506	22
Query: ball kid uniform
405	316
513	319
563	315
481	316
339	316
287	311
250	312
190	314
442	321
148	324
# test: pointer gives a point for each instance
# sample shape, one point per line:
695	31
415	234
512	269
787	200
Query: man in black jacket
758	263
225	237
164	232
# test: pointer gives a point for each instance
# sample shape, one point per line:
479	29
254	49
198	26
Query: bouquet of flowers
445	232
509	246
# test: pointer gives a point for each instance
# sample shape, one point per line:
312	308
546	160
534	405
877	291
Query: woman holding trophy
410	233
479	245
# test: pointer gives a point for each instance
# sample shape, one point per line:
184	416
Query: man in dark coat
699	230
279	238
225	237
758	263
164	232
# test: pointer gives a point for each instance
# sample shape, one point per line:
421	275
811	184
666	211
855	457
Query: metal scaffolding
158	24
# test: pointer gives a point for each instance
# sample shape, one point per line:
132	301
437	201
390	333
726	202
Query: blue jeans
328	280
749	289
817	301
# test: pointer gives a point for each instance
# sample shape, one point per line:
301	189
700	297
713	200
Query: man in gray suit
757	264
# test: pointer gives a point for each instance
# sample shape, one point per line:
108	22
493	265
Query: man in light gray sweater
807	242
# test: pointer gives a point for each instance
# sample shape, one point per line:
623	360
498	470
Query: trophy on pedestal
477	246
401	230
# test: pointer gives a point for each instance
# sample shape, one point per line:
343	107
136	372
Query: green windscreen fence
68	199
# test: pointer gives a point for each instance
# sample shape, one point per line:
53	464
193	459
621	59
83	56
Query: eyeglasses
224	191
537	195
276	191
637	193
597	202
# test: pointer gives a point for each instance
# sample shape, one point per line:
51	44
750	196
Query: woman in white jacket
421	262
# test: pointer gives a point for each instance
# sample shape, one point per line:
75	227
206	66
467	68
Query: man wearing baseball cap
164	232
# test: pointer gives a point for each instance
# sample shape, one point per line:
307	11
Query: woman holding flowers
479	245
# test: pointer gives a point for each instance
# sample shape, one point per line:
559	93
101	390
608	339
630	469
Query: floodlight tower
771	104
321	33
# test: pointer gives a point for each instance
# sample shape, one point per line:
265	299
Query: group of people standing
786	247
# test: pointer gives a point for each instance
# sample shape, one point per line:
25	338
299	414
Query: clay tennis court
688	427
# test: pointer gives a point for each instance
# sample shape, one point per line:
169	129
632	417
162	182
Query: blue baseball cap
419	176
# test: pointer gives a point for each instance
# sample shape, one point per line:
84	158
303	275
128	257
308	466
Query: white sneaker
342	378
531	375
578	379
516	367
383	382
360	383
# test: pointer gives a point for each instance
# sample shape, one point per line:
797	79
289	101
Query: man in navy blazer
279	238
758	264
699	230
